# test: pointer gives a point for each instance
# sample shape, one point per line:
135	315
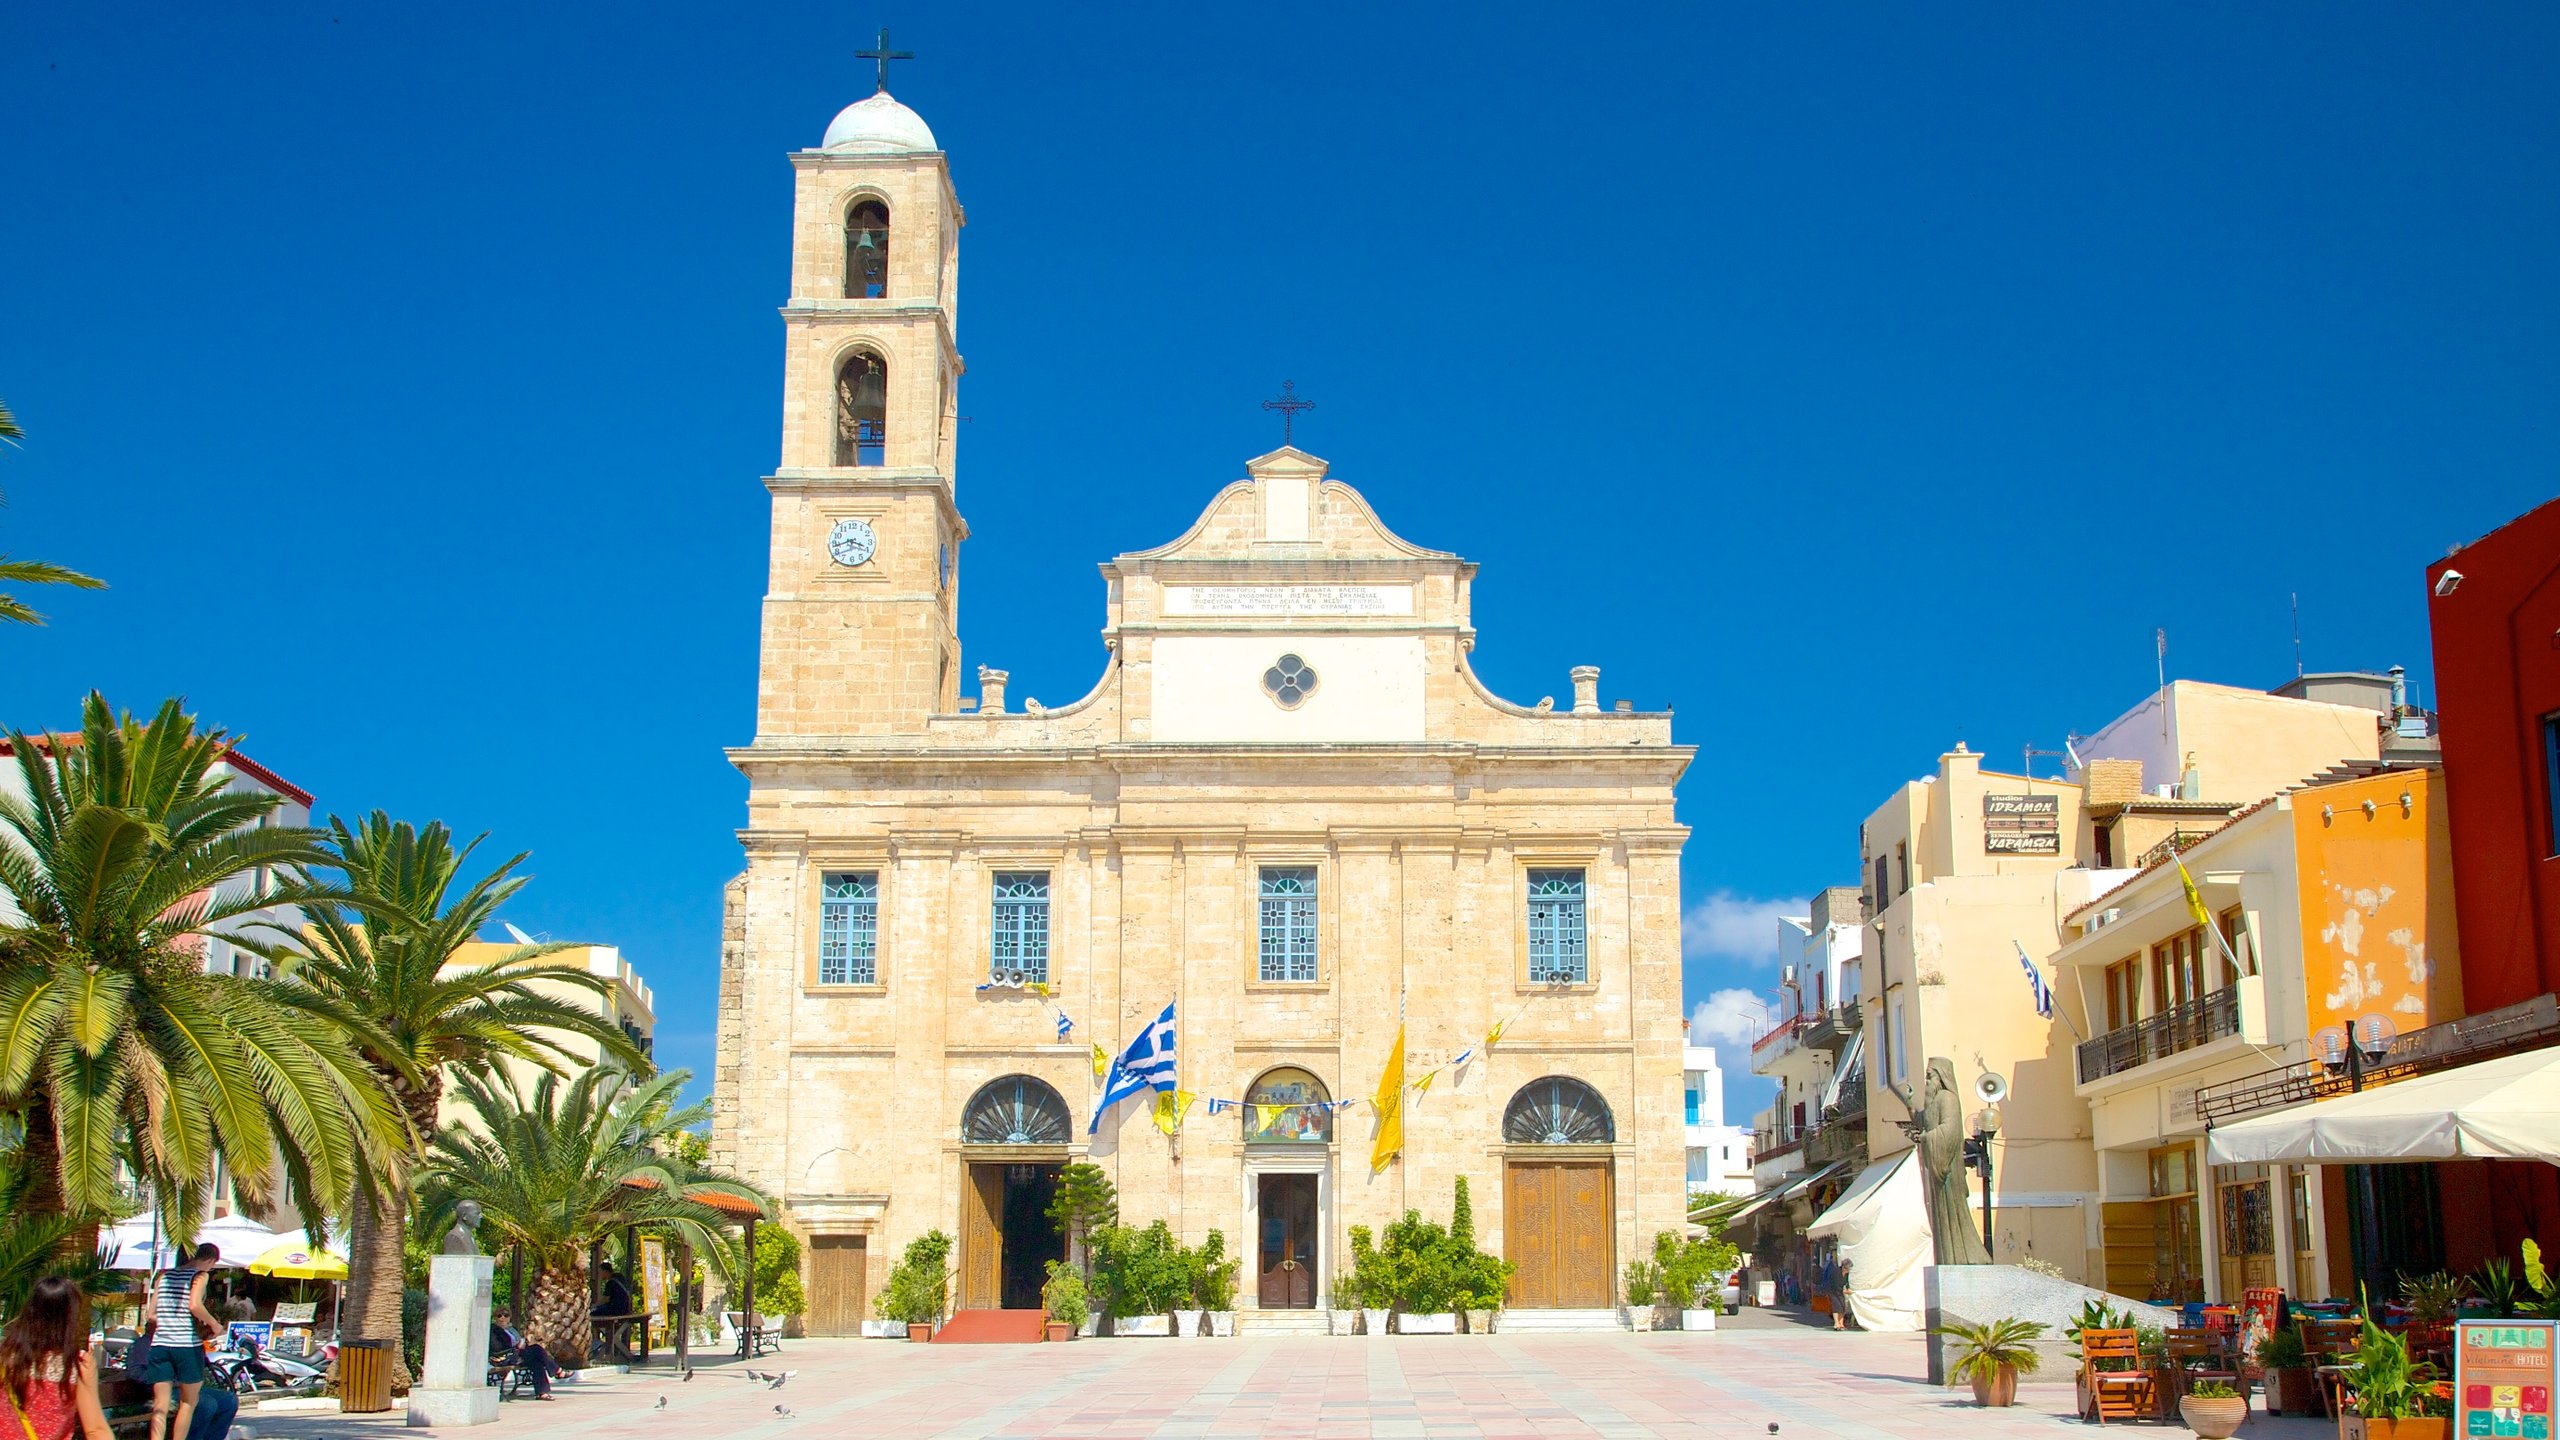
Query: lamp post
1977	1157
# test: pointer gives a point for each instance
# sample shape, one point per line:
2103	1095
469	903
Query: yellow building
1286	807
2329	914
626	1002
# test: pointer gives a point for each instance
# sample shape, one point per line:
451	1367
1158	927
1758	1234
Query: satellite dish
1991	1089
517	935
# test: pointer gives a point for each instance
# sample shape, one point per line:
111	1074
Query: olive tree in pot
2213	1410
1992	1355
1691	1273
919	1286
1063	1296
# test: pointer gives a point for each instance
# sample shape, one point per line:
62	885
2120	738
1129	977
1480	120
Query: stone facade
1419	800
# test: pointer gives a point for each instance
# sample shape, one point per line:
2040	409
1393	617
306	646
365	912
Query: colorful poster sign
2504	1375
653	1275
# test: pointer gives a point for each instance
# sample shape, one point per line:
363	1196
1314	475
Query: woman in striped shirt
177	1344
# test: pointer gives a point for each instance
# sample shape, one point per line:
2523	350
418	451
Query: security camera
2447	583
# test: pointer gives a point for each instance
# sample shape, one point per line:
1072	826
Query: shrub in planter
2293	1388
1213	1283
1691	1272
2395	1396
1370	1285
919	1288
1063	1296
1993	1355
2213	1410
1139	1274
1342	1305
1644	1291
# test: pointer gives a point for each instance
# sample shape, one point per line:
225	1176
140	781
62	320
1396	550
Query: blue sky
1853	380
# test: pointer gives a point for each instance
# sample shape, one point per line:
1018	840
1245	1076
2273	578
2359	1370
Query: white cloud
1734	927
1729	1017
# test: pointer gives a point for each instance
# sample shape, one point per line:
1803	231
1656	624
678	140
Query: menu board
2503	1378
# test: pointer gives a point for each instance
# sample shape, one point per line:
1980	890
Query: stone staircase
1554	1322
990	1327
1280	1322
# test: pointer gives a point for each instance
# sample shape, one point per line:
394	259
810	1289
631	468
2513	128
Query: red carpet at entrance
990	1327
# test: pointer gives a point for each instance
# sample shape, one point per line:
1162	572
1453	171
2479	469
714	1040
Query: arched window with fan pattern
1558	1110
1015	1110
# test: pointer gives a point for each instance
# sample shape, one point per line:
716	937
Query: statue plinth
456	1389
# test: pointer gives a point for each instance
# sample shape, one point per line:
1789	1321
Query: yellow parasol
297	1260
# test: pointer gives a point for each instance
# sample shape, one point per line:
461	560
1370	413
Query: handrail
1787	1026
2184	1026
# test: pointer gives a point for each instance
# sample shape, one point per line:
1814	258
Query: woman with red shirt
48	1374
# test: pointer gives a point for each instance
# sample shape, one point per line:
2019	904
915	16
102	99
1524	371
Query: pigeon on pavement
775	1382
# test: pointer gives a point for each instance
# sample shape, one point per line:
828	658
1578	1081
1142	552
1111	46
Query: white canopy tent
142	1243
1882	1225
2502	1109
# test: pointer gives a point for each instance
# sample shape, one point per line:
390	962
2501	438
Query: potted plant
1690	1272
1481	1278
1063	1297
1141	1276
2293	1387
1370	1283
2395	1397
1212	1276
1992	1355
1422	1276
2213	1410
2094	1315
1342	1305
1643	1281
919	1285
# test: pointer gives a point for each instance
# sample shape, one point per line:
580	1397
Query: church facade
1287	808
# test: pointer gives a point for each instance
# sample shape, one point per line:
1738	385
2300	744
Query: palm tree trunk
374	1281
560	1318
40	1154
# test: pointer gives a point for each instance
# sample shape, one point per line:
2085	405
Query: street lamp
2361	1048
1977	1157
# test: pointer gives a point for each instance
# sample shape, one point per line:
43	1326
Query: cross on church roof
884	55
1288	405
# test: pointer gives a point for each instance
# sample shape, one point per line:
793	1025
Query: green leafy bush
1140	1272
2283	1350
1212	1274
1644	1284
2386	1382
1063	1294
1690	1269
2432	1299
1343	1294
919	1285
2211	1390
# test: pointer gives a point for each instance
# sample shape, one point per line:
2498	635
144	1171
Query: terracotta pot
1998	1390
1057	1330
2213	1419
918	1334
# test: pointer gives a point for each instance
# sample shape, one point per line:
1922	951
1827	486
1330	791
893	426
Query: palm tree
125	850
387	959
563	1168
32	572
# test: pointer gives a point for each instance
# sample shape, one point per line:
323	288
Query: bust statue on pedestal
460	1284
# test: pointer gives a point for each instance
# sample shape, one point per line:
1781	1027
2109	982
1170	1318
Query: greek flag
2035	983
1065	1026
1146	1065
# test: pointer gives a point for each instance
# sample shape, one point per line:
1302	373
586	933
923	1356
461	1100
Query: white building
1719	1154
1813	1039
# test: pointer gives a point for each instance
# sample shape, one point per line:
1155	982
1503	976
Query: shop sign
2503	1378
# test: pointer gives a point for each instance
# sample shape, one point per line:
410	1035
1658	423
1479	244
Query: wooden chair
2124	1394
2199	1354
2330	1343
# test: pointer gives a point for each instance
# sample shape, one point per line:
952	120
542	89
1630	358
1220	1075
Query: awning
1882	1225
1808	1180
2502	1109
1752	1207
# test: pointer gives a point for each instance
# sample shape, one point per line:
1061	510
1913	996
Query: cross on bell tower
884	55
1288	405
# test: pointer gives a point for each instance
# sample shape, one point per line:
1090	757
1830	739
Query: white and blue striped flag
2035	983
1146	1065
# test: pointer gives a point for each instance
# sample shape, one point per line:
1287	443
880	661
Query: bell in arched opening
862	410
866	251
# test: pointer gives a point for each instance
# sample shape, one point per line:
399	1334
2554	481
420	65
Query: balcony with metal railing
2183	1027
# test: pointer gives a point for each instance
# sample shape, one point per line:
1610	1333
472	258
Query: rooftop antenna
515	934
2297	634
2160	643
2027	763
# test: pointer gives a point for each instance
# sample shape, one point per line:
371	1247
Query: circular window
1016	1110
1289	681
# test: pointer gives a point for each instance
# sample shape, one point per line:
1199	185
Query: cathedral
1287	810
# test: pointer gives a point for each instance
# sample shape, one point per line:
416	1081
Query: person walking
181	1325
48	1373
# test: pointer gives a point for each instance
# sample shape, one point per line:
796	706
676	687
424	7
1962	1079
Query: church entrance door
1286	1207
836	1284
1006	1236
1557	1218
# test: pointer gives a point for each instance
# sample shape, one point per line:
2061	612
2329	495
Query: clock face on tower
851	542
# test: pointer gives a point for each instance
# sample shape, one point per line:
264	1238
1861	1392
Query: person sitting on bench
508	1347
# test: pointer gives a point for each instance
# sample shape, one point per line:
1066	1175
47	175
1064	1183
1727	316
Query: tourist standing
48	1374
181	1325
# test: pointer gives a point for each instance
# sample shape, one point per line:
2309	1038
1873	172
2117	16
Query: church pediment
1286	511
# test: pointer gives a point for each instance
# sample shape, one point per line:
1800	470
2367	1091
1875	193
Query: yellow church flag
2195	901
1266	1118
1390	1106
1169	1107
1101	1062
1425	1082
1494	1036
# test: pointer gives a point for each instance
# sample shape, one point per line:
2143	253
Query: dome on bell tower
878	126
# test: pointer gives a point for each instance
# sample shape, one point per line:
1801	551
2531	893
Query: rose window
1289	681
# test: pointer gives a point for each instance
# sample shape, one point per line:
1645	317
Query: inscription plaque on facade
2021	825
1288	599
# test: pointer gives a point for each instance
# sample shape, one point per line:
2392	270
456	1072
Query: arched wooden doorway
1014	1133
1559	1204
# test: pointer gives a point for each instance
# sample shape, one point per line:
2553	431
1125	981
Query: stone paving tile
1732	1385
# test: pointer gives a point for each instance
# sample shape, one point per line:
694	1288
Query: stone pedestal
456	1389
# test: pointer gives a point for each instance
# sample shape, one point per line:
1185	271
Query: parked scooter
249	1369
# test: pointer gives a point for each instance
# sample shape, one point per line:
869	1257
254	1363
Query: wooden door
1557	1227
837	1280
1286	1208
982	1239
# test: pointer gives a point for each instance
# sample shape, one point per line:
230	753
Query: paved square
1806	1383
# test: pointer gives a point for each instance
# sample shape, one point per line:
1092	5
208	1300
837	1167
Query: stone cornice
773	843
903	752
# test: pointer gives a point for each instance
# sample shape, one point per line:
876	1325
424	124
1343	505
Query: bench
762	1337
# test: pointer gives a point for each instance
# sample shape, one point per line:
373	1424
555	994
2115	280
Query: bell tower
861	607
